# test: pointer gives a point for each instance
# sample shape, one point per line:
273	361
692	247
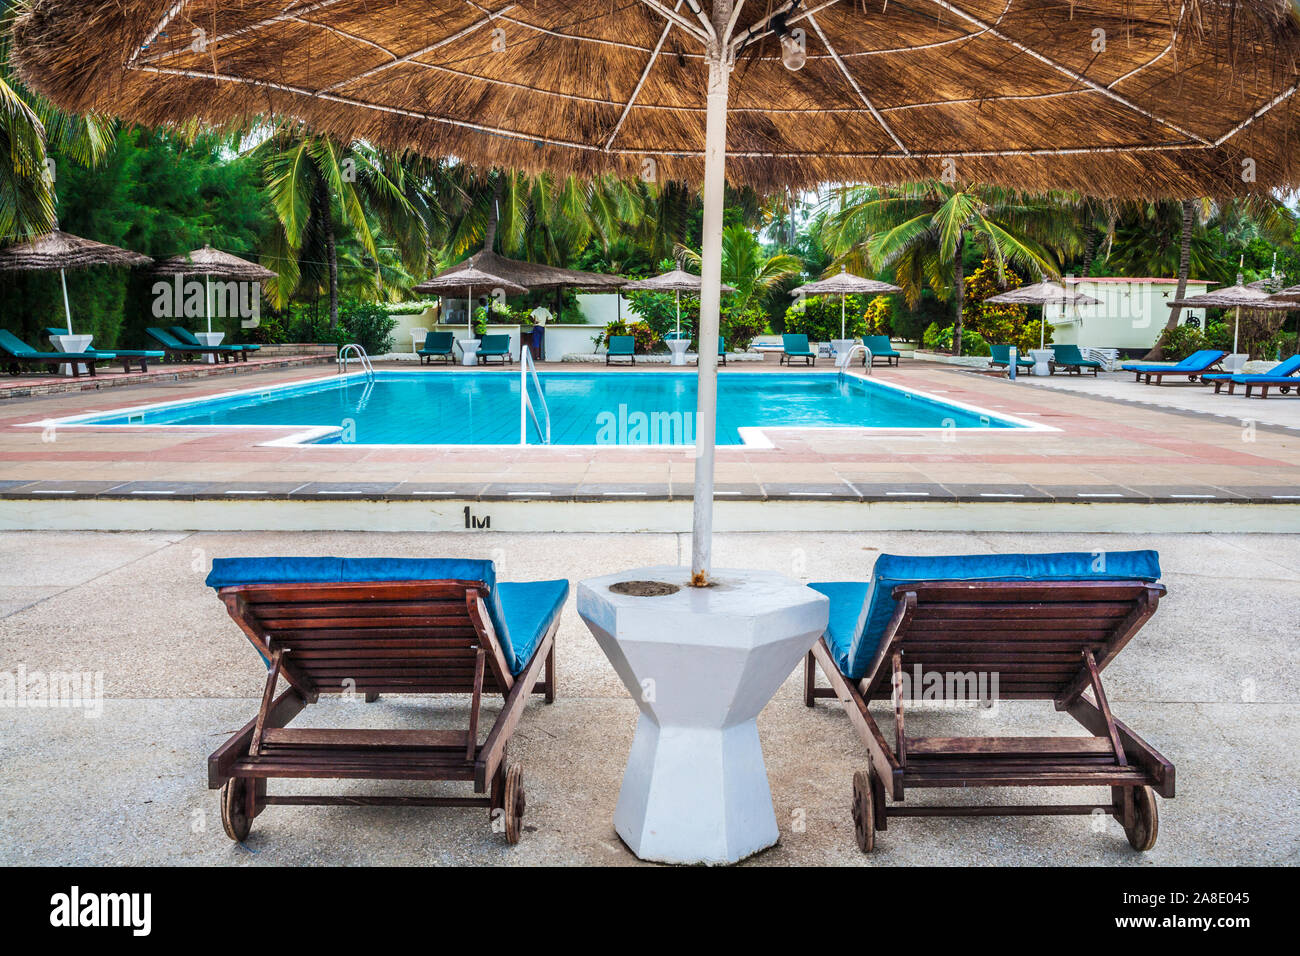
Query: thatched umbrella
458	277
1133	98
1236	297
844	284
1042	293
62	250
209	262
677	281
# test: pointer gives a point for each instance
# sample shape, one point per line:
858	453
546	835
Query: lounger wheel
515	804
1146	820
234	809
864	810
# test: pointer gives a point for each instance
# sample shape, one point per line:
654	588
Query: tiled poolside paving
1210	682
1109	445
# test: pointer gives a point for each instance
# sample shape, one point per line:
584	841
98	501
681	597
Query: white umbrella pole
678	293
841	315
207	299
1236	324
1042	330
469	311
67	309
715	171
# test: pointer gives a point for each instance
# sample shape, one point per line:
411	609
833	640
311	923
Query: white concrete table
678	347
841	348
210	339
71	343
1041	357
469	351
700	663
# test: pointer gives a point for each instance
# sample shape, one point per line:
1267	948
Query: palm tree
322	191
922	230
745	266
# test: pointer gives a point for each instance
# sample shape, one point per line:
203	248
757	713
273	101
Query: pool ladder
362	358
526	407
848	360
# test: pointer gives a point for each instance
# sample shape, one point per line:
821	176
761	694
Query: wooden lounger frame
413	637
1047	641
1265	386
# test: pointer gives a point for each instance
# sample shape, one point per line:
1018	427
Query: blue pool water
586	408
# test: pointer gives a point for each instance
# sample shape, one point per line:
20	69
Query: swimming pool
586	408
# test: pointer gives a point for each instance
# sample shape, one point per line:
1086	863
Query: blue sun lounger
1281	375
880	347
366	626
1193	367
983	628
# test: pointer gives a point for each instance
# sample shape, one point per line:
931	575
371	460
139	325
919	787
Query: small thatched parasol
62	250
676	282
1132	98
844	284
458	277
1042	293
209	262
535	276
1237	297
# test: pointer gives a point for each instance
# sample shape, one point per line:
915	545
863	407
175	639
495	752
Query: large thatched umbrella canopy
463	278
209	262
62	250
1236	297
845	284
676	281
1042	293
1112	97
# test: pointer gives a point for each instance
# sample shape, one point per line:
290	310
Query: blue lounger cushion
1278	372
1197	360
507	604
860	612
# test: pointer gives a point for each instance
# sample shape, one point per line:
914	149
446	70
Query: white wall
1130	313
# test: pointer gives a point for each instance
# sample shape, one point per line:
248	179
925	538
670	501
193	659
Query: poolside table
211	339
678	347
71	343
469	351
1041	357
700	664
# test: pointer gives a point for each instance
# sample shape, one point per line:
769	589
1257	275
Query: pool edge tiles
502	405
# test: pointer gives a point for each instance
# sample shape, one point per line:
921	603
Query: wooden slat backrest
383	637
1031	635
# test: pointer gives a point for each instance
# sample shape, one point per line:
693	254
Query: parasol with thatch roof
1133	98
677	281
62	250
844	284
209	262
1236	297
468	278
1042	293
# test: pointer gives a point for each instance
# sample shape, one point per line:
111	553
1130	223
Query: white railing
362	358
847	360
526	407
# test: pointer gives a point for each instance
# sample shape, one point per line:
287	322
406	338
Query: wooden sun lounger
371	638
1045	641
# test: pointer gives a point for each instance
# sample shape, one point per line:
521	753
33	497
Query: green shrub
740	327
937	337
1181	341
368	324
972	343
646	339
819	318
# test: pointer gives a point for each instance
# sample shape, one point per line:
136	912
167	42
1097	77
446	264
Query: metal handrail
362	357
848	359
526	407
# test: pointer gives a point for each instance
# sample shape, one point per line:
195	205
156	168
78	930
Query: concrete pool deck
1210	682
1109	450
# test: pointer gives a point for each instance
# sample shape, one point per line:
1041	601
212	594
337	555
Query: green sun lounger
1000	357
125	356
1070	358
437	345
21	352
494	346
880	348
621	347
186	337
174	346
796	346
1282	375
722	350
1194	366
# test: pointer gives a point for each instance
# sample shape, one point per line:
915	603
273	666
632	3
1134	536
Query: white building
1129	315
